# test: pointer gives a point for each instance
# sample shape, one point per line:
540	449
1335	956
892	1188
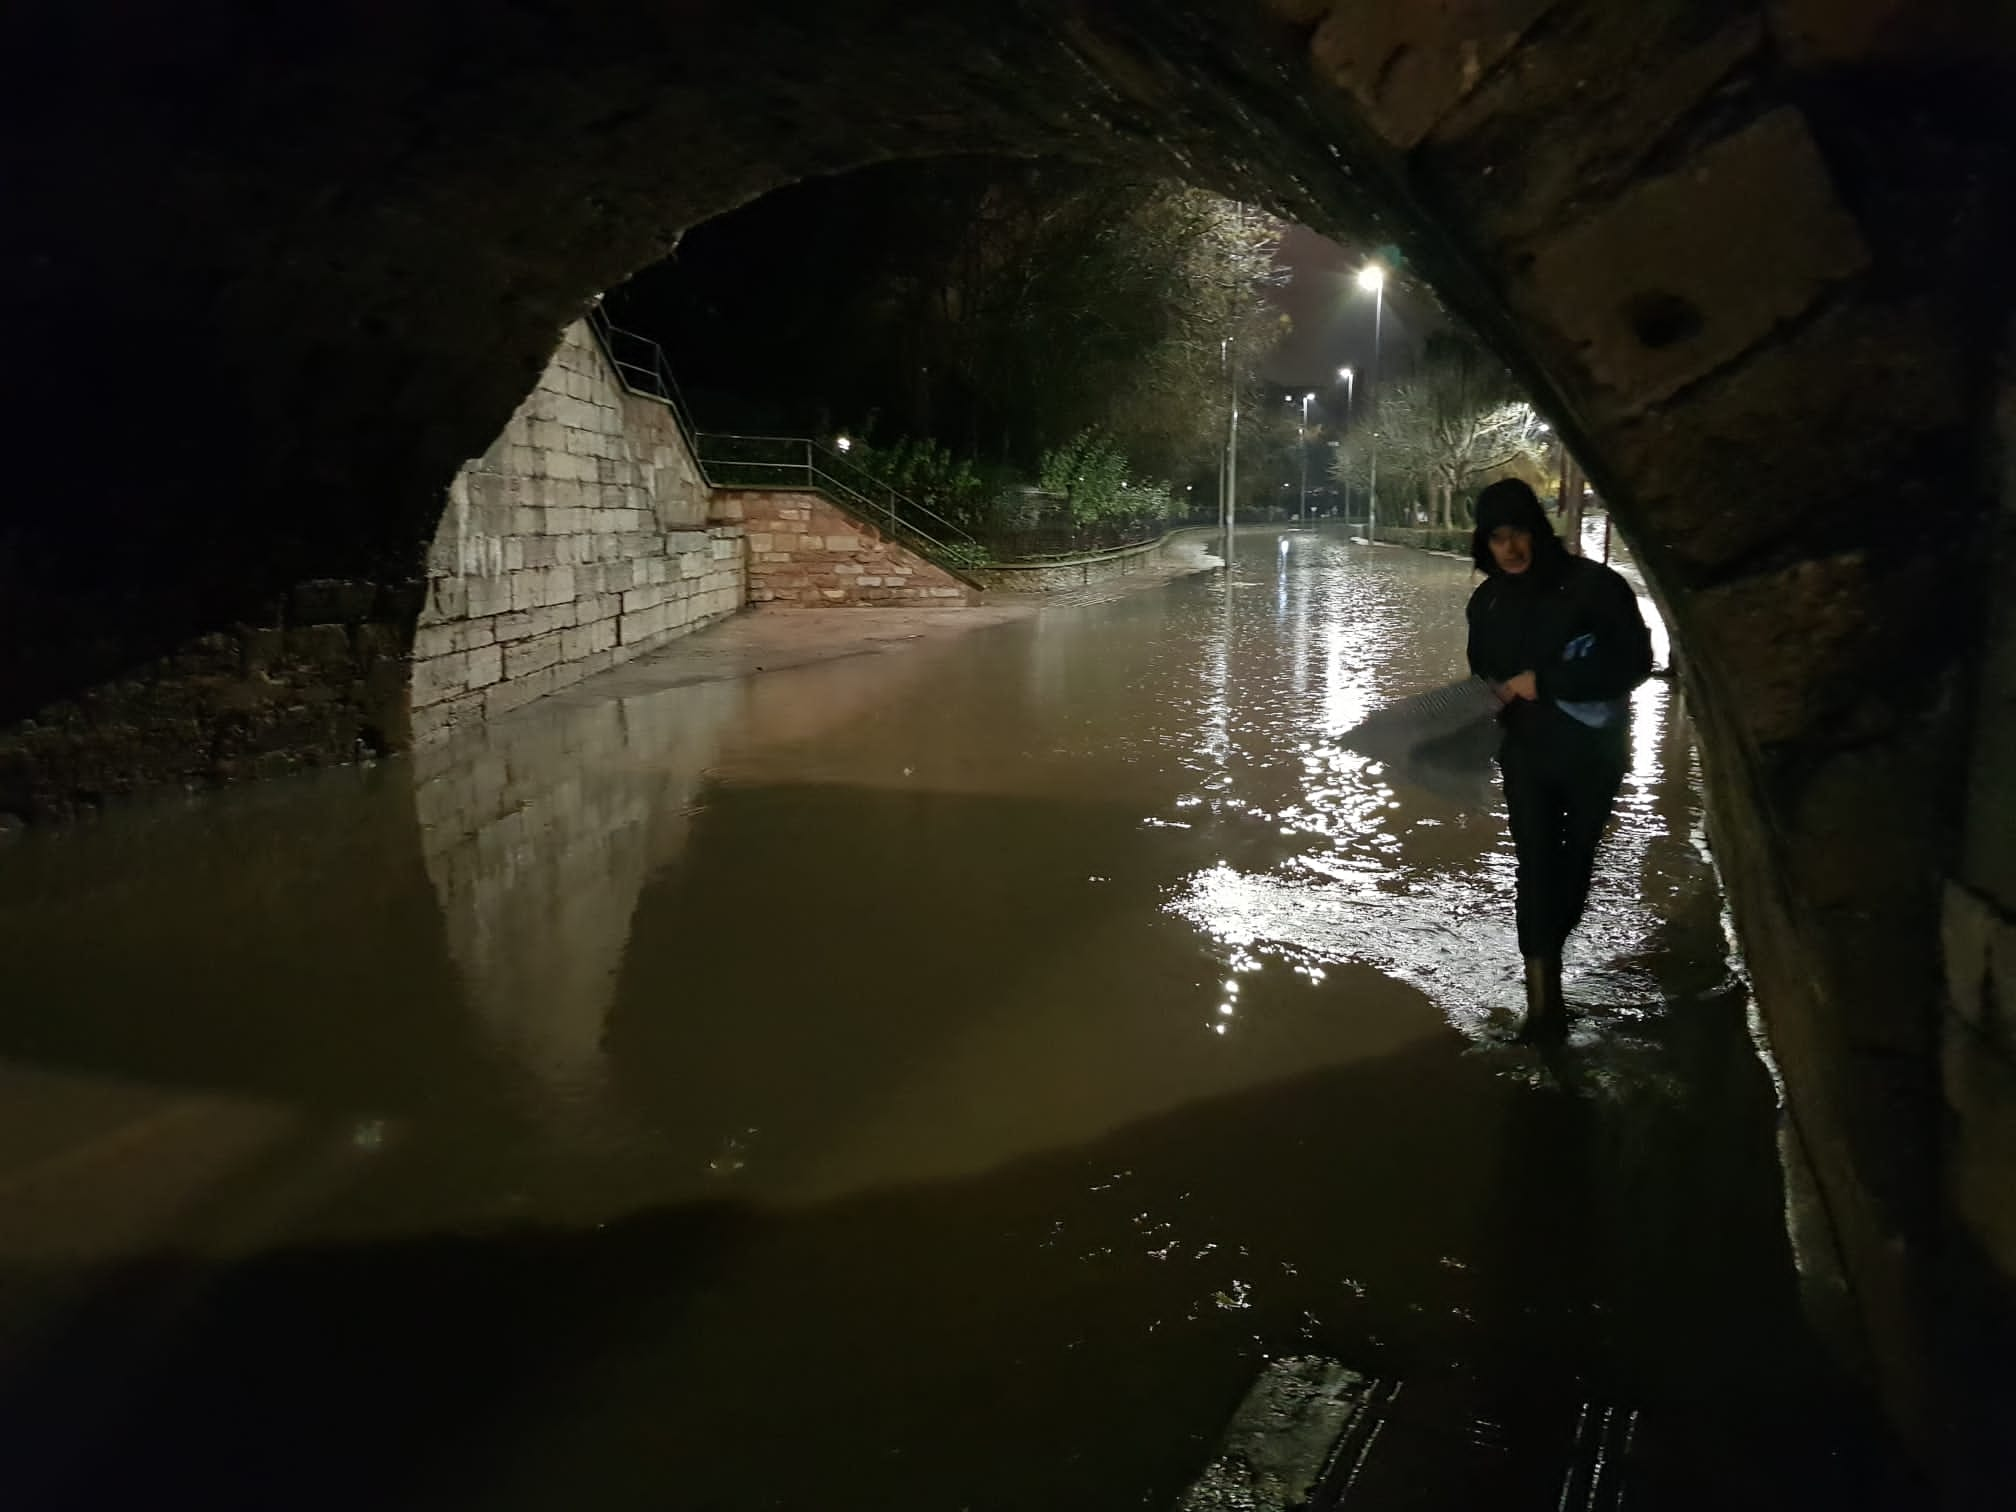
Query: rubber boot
1546	1011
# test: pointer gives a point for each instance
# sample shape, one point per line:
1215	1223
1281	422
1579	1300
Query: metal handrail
820	468
649	378
834	459
641	367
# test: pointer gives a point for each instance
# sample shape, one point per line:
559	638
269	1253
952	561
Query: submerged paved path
946	1076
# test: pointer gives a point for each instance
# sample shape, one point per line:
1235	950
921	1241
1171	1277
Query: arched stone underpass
275	272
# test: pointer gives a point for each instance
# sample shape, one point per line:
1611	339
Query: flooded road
936	1079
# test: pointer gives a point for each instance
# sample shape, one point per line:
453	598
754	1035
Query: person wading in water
1562	641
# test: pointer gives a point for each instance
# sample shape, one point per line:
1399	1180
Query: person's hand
1525	686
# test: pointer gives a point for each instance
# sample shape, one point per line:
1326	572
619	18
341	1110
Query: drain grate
1313	1435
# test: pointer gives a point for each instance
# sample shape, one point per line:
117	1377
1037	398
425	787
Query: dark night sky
1333	319
744	310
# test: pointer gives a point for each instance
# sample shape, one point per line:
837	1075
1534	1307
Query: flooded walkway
929	1080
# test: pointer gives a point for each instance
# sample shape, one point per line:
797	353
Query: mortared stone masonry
579	540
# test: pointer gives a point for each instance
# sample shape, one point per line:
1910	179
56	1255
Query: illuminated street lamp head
1371	277
1343	375
1309	398
845	443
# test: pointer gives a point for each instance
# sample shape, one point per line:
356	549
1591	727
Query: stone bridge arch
275	271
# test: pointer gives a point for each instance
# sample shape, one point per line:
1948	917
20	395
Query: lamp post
1302	438
1224	444
1228	358
1349	379
1372	278
1231	448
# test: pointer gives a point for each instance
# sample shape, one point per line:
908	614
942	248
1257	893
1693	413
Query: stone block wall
1977	1040
580	539
805	551
1978	1043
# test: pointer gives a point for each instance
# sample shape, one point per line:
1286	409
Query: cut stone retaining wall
580	539
804	550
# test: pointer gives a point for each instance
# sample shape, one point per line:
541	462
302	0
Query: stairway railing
796	462
641	367
799	462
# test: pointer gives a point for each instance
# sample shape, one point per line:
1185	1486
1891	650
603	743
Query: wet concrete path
938	1079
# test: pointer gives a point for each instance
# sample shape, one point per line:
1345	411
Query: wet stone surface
934	1079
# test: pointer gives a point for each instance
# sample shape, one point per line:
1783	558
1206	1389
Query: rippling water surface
928	1080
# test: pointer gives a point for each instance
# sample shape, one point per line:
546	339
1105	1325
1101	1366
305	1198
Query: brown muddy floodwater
928	1080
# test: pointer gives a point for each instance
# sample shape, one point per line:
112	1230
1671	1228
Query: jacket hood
1511	502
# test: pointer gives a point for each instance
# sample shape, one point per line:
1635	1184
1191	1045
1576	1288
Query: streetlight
1372	279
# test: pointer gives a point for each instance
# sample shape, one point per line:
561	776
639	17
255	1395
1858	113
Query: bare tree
1458	420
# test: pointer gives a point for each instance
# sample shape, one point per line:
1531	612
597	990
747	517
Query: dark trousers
1561	778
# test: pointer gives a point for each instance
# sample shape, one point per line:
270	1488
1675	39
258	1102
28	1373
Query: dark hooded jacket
1572	622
